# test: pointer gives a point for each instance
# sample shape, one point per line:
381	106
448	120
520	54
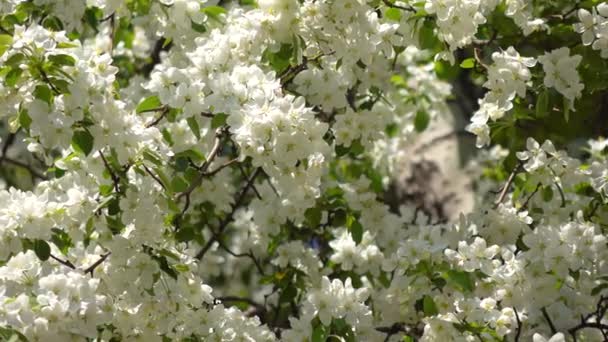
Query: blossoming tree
191	170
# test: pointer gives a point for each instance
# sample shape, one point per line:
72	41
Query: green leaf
218	120
5	43
62	240
320	333
542	104
62	60
193	124
461	280
468	63
313	217
200	28
596	290
547	193
279	60
12	77
421	121
178	184
82	141
393	14
42	250
15	60
339	218
429	307
149	104
24	119
43	93
356	231
214	11
65	45
427	38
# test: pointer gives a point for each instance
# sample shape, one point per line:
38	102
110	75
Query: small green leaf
178	184
279	60
15	60
200	28
547	193
5	43
24	119
62	240
43	93
214	11
468	63
356	231
542	104
82	141
42	250
393	14
149	104
313	217
460	280
421	121
193	124
218	120
320	333
596	290
65	45
12	77
62	60
429	307
339	218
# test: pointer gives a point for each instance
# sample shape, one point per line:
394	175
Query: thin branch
48	81
549	321
92	268
507	185
115	178
221	167
397	328
63	262
112	31
224	223
518	333
527	202
29	168
593	320
155	177
199	180
288	74
159	47
155	122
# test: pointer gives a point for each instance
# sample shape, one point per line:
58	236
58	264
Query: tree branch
224	223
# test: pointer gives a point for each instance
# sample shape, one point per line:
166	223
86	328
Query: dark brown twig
224	223
115	178
92	268
63	262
